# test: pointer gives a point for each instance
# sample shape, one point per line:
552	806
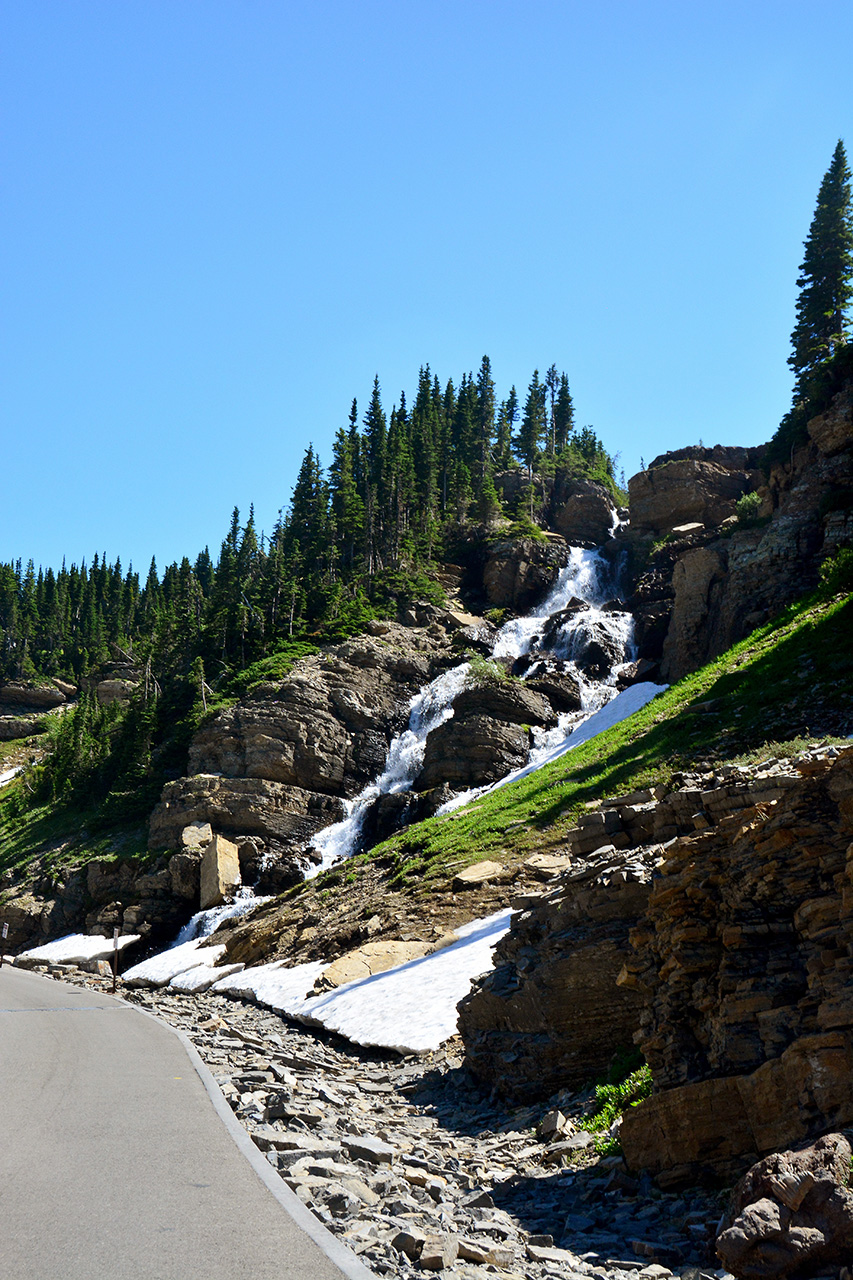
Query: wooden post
115	957
4	933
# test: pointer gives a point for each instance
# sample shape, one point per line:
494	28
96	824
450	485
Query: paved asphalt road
115	1163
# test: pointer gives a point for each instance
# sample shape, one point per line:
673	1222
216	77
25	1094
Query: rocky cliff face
743	960
277	767
550	1014
708	580
711	925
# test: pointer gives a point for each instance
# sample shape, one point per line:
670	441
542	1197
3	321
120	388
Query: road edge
343	1258
347	1262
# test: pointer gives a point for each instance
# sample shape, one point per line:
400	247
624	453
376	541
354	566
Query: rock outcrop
792	1214
487	737
703	578
29	694
140	896
582	511
691	486
518	571
550	1014
744	961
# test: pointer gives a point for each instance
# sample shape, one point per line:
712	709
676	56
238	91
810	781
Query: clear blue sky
222	217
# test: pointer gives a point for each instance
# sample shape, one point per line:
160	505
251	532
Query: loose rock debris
409	1164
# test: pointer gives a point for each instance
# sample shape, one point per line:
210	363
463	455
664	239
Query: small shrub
611	1100
486	671
836	574
747	508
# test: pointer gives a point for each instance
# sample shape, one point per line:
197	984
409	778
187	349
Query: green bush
747	508
611	1099
836	574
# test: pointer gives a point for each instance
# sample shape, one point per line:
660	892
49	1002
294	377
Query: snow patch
202	977
157	970
410	1009
9	774
271	985
78	948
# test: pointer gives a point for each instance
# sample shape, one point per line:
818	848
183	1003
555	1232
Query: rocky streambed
417	1170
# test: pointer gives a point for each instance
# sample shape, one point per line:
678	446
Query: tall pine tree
826	276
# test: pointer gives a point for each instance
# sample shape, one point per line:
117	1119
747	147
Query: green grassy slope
789	682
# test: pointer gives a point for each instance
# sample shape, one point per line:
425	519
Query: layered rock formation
743	961
150	898
550	1014
703	579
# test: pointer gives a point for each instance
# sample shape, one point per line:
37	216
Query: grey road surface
115	1163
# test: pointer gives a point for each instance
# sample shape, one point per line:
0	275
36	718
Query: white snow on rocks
8	775
410	1009
159	970
77	948
269	984
202	977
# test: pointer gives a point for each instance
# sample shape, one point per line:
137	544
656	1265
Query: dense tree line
353	539
402	489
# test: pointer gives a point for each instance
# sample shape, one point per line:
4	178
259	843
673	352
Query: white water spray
584	581
204	923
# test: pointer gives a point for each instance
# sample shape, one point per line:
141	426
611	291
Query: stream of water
585	580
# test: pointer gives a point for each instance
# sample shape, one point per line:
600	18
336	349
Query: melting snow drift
78	948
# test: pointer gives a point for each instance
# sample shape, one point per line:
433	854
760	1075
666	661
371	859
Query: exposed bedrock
744	961
702	579
550	1013
519	571
328	725
284	817
691	485
487	736
582	511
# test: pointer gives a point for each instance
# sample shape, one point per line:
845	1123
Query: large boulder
792	1214
519	571
219	873
511	700
582	511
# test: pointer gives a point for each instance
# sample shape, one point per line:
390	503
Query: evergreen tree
530	434
826	276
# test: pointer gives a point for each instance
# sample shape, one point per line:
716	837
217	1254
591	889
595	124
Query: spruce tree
826	276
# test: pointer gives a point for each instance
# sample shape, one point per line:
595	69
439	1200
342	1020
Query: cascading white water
203	923
427	710
583	580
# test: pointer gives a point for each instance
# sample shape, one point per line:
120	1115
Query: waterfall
427	710
204	923
582	583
